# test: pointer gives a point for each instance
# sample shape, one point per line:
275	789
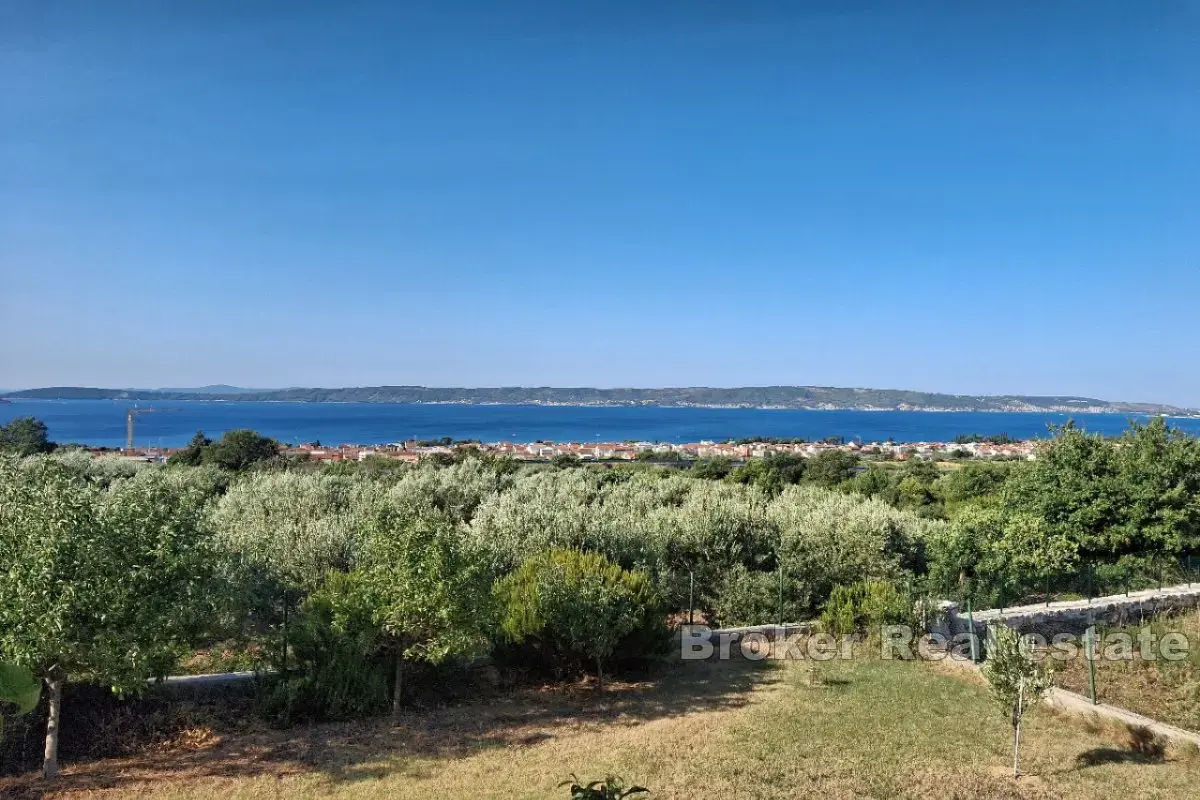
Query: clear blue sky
975	197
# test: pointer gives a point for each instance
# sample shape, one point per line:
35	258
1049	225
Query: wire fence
776	595
1091	579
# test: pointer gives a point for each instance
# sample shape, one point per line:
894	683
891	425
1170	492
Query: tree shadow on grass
373	748
1099	756
1143	747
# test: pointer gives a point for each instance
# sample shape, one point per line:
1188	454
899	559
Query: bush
866	606
579	607
340	675
752	598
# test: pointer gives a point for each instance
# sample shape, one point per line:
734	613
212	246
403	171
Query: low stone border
772	632
1071	616
1079	705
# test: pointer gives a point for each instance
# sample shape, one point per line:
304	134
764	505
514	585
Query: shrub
340	674
866	606
752	598
580	607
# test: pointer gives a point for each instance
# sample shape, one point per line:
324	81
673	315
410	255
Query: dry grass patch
736	729
1163	690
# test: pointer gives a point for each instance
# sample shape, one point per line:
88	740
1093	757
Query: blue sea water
102	422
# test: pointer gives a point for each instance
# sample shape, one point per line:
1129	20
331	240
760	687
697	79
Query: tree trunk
599	675
50	759
399	687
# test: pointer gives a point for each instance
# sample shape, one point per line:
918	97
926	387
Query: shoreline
548	404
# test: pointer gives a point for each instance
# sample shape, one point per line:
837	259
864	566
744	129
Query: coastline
552	404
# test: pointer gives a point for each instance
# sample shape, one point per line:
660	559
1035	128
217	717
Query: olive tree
98	585
828	538
429	592
295	527
579	602
285	533
1019	680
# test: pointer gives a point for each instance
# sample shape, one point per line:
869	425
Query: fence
1093	578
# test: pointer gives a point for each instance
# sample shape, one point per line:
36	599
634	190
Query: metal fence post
1088	644
780	610
284	654
691	597
974	639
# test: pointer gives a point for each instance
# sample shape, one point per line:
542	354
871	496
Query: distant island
782	397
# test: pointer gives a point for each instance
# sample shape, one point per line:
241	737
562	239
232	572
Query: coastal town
413	451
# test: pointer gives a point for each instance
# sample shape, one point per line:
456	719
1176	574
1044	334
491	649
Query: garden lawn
732	729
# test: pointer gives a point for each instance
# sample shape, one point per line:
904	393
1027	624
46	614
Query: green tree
98	585
874	481
772	473
974	480
713	469
1132	496
831	468
238	449
193	454
430	593
963	561
25	436
1019	680
581	601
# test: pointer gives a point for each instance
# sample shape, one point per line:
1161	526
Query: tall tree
193	454
1113	498
238	449
831	468
25	436
430	593
98	585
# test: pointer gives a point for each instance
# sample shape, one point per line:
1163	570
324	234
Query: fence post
691	597
284	659
1087	635
974	639
1047	590
780	609
1090	575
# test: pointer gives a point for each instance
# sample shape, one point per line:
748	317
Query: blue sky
968	197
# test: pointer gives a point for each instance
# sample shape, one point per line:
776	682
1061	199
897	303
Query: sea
172	424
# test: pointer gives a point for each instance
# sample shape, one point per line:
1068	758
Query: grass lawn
733	729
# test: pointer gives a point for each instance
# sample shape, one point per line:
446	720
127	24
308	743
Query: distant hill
810	397
216	388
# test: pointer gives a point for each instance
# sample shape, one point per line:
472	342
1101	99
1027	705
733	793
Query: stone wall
1072	616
